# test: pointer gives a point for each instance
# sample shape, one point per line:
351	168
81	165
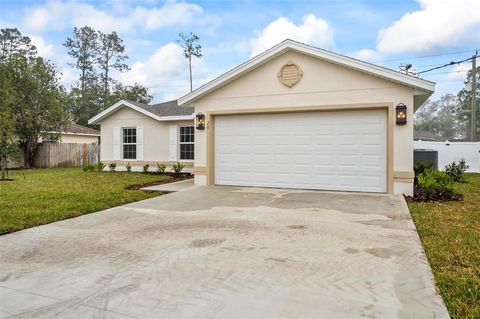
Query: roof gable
423	88
167	111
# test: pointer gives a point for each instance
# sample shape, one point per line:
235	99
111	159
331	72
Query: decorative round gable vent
290	74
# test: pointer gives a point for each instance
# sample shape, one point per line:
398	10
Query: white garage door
340	150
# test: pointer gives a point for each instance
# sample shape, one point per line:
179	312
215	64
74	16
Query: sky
425	33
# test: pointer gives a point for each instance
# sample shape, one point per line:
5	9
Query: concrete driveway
224	252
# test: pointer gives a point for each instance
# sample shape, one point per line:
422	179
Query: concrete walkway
172	187
224	252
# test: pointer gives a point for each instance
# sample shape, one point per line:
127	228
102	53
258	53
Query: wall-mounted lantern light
401	114
200	121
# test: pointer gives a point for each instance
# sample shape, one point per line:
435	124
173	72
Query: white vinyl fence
453	152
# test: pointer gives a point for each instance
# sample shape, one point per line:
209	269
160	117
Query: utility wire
424	56
445	65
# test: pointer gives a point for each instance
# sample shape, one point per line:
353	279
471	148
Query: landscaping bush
88	168
100	166
112	167
145	168
161	168
128	167
434	185
457	171
421	167
177	168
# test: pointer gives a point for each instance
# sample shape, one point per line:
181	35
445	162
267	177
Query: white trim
97	118
71	133
117	145
80	134
139	143
173	143
422	86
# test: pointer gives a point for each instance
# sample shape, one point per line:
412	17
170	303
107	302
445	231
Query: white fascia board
176	118
314	52
113	108
77	134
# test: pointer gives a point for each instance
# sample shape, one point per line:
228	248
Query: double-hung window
187	142
129	145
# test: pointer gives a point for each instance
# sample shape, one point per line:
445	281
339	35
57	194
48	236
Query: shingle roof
79	129
166	111
169	108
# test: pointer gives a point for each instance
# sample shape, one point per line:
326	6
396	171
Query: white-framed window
187	142
129	143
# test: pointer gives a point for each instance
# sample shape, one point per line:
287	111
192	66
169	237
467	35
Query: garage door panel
344	150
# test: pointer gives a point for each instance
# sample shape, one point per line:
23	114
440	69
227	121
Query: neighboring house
294	116
76	133
73	133
427	136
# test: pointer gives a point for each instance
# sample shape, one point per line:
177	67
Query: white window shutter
139	143
172	146
116	143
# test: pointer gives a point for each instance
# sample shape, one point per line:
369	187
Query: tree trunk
105	80
190	69
105	88
29	150
83	82
3	161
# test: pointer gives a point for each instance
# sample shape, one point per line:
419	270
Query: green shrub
112	167
88	168
100	166
161	168
457	171
177	168
435	184
145	168
422	167
128	168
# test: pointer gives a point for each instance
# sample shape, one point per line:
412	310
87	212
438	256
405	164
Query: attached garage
330	150
301	117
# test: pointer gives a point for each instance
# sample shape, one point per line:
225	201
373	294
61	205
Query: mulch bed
419	196
174	178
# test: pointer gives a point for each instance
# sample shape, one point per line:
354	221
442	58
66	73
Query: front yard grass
450	234
42	196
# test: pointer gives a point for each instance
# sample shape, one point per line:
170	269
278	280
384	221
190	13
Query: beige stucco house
294	116
138	134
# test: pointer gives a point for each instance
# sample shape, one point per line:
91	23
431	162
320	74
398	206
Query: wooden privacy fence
66	154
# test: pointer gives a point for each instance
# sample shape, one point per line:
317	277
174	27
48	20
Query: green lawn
450	234
42	196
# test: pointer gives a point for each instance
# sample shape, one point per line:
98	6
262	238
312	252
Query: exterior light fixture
401	114
200	121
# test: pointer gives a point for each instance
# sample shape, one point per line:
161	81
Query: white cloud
166	63
165	73
368	55
313	30
170	14
59	15
44	49
439	23
67	77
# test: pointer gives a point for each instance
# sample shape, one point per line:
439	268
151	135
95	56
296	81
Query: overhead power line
447	64
424	56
